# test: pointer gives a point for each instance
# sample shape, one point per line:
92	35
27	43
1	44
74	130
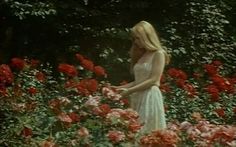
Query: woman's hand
124	92
114	87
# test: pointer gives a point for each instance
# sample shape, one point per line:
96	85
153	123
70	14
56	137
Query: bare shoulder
160	51
159	57
159	54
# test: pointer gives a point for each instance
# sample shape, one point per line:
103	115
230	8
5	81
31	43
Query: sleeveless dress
149	102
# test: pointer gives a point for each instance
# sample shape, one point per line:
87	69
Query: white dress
149	102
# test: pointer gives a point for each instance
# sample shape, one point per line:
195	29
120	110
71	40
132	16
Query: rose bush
76	109
209	94
80	109
202	134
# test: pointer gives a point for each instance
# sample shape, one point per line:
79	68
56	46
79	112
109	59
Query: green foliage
200	37
22	9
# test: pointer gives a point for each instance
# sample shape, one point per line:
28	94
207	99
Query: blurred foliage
200	36
54	30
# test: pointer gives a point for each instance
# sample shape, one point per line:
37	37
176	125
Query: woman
148	59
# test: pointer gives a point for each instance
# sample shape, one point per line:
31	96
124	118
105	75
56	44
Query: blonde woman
148	59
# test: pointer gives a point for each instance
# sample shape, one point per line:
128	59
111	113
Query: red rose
105	108
99	71
172	72
87	86
180	83
67	69
215	97
26	132
217	79
190	89
182	75
32	90
212	89
129	114
232	80
6	75
134	127
79	57
18	63
214	92
70	83
34	63
82	90
125	101
40	76
75	117
3	91
216	63
54	103
221	83
116	136
220	112
162	79
92	85
176	73
210	69
87	64
160	138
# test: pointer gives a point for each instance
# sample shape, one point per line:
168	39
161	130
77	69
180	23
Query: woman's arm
158	65
128	85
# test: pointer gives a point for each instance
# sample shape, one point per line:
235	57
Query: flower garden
78	108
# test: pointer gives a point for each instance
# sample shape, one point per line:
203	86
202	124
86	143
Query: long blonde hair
148	38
